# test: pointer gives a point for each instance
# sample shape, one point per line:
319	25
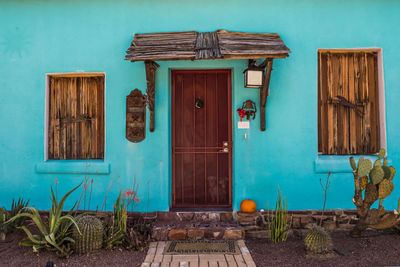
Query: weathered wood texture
264	92
151	68
342	129
76	117
193	45
135	116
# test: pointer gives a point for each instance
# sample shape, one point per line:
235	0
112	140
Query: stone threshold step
200	231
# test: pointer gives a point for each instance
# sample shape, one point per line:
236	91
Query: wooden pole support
151	68
264	90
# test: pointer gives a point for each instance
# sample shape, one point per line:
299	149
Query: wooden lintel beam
264	90
151	68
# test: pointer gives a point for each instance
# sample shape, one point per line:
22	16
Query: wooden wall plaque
135	116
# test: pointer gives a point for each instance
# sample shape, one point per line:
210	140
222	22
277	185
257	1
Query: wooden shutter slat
74	112
366	126
357	85
319	103
51	115
100	118
324	100
352	99
343	112
332	108
373	101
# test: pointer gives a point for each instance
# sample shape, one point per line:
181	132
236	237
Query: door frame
172	136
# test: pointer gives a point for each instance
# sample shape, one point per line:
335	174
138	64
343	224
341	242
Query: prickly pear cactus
364	167
376	175
363	182
385	188
381	153
353	163
377	182
92	234
318	241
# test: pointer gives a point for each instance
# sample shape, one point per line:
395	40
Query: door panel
201	138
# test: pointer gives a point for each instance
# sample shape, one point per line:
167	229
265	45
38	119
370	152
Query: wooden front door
201	138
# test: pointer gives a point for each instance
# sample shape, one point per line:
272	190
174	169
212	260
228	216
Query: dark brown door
201	138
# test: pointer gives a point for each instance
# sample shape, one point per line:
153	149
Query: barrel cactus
318	241
92	234
376	181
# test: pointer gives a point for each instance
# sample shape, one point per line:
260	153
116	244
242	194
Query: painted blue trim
337	164
73	167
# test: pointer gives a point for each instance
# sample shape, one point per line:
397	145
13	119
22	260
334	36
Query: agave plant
54	235
17	207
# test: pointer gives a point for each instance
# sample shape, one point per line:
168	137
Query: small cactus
318	241
92	234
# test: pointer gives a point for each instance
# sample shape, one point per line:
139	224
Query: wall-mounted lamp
253	75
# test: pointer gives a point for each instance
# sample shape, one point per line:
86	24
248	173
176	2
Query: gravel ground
373	249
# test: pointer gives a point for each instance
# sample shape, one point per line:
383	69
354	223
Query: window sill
337	164
73	167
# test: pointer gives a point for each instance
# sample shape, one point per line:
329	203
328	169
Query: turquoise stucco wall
39	37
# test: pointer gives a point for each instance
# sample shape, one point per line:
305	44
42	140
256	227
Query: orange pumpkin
248	206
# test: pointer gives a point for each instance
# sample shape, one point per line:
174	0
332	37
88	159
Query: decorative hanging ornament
242	113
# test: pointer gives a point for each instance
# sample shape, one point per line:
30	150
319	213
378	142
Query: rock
177	234
318	217
195	234
185	216
329	225
214	217
354	219
213	234
245	214
309	225
160	234
233	234
257	234
226	217
339	212
296	223
305	220
251	227
246	219
345	226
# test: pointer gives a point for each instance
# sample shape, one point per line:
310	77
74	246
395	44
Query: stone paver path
156	258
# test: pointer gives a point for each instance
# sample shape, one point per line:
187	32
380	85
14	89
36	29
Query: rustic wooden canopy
192	45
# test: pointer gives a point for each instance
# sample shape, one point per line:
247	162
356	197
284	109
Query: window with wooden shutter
348	104
76	117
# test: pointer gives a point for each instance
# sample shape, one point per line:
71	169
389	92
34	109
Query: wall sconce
253	75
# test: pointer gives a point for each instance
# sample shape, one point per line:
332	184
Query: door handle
226	150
